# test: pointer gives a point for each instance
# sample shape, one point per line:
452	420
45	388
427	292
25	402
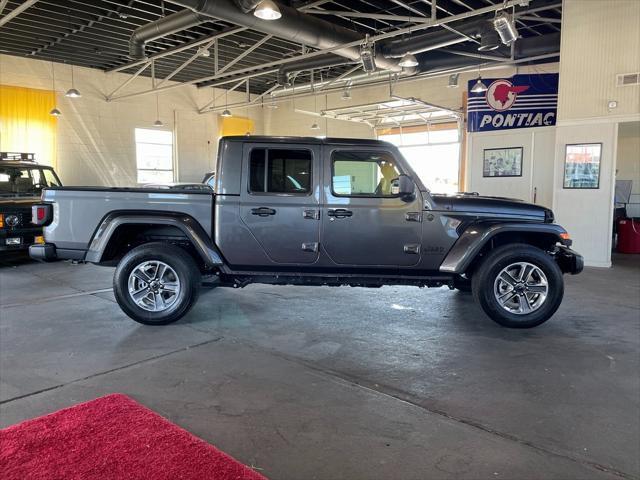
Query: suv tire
156	283
518	286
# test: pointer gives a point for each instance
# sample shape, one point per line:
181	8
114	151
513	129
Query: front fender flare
476	236
190	227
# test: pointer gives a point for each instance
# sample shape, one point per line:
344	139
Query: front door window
367	174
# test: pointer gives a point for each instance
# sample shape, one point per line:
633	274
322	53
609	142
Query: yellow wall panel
235	126
25	123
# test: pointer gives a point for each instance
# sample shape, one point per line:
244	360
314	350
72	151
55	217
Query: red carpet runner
111	438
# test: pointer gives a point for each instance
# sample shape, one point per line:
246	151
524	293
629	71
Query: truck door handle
339	212
263	211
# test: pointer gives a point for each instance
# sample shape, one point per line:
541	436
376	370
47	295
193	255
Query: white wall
599	40
96	138
597	43
628	162
537	164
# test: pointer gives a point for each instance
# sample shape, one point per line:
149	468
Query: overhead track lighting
408	60
453	80
506	27
267	10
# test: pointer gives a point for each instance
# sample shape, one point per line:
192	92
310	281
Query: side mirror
402	186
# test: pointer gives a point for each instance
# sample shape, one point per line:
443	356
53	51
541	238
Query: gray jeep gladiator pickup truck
308	211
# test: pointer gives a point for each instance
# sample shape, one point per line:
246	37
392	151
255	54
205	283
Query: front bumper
569	261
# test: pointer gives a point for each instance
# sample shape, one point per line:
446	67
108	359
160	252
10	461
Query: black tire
483	284
183	265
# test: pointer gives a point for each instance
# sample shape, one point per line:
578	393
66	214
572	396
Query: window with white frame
154	155
433	154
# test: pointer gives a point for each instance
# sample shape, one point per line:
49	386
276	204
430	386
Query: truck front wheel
518	286
156	283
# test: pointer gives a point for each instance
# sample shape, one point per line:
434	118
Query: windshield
25	181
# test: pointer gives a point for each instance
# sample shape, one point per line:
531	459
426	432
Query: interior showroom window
433	154
154	156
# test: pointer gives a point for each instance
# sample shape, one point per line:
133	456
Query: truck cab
320	204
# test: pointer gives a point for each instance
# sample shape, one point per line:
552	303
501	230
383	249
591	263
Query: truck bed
85	207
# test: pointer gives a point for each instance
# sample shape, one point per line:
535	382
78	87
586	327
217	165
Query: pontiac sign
522	101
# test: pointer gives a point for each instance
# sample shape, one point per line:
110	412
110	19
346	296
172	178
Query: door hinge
413	217
412	248
310	247
311	214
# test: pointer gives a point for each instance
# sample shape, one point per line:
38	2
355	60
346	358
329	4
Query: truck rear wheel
518	286
156	283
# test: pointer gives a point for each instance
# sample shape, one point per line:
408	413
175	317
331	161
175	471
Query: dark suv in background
21	183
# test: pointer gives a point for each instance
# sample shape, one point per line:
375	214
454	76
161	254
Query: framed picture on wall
582	165
502	162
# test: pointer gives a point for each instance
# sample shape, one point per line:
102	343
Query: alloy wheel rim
521	288
154	286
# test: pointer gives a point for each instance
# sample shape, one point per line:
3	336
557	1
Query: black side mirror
403	186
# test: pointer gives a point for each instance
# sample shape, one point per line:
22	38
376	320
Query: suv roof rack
18	157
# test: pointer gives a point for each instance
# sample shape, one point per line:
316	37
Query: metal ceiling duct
294	26
433	40
434	62
324	61
164	26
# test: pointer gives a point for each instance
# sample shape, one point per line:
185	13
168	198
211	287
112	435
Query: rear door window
280	170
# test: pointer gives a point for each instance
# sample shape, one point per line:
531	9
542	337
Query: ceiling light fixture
267	10
479	87
204	52
408	60
453	80
506	27
54	111
158	122
315	126
367	56
72	92
226	112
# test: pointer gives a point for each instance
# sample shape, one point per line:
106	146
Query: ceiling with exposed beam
95	33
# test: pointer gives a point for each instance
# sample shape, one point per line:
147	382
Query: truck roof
20	164
305	140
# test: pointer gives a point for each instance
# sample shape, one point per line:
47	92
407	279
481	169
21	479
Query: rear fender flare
476	236
188	225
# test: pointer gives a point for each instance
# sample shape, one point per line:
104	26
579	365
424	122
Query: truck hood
495	207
